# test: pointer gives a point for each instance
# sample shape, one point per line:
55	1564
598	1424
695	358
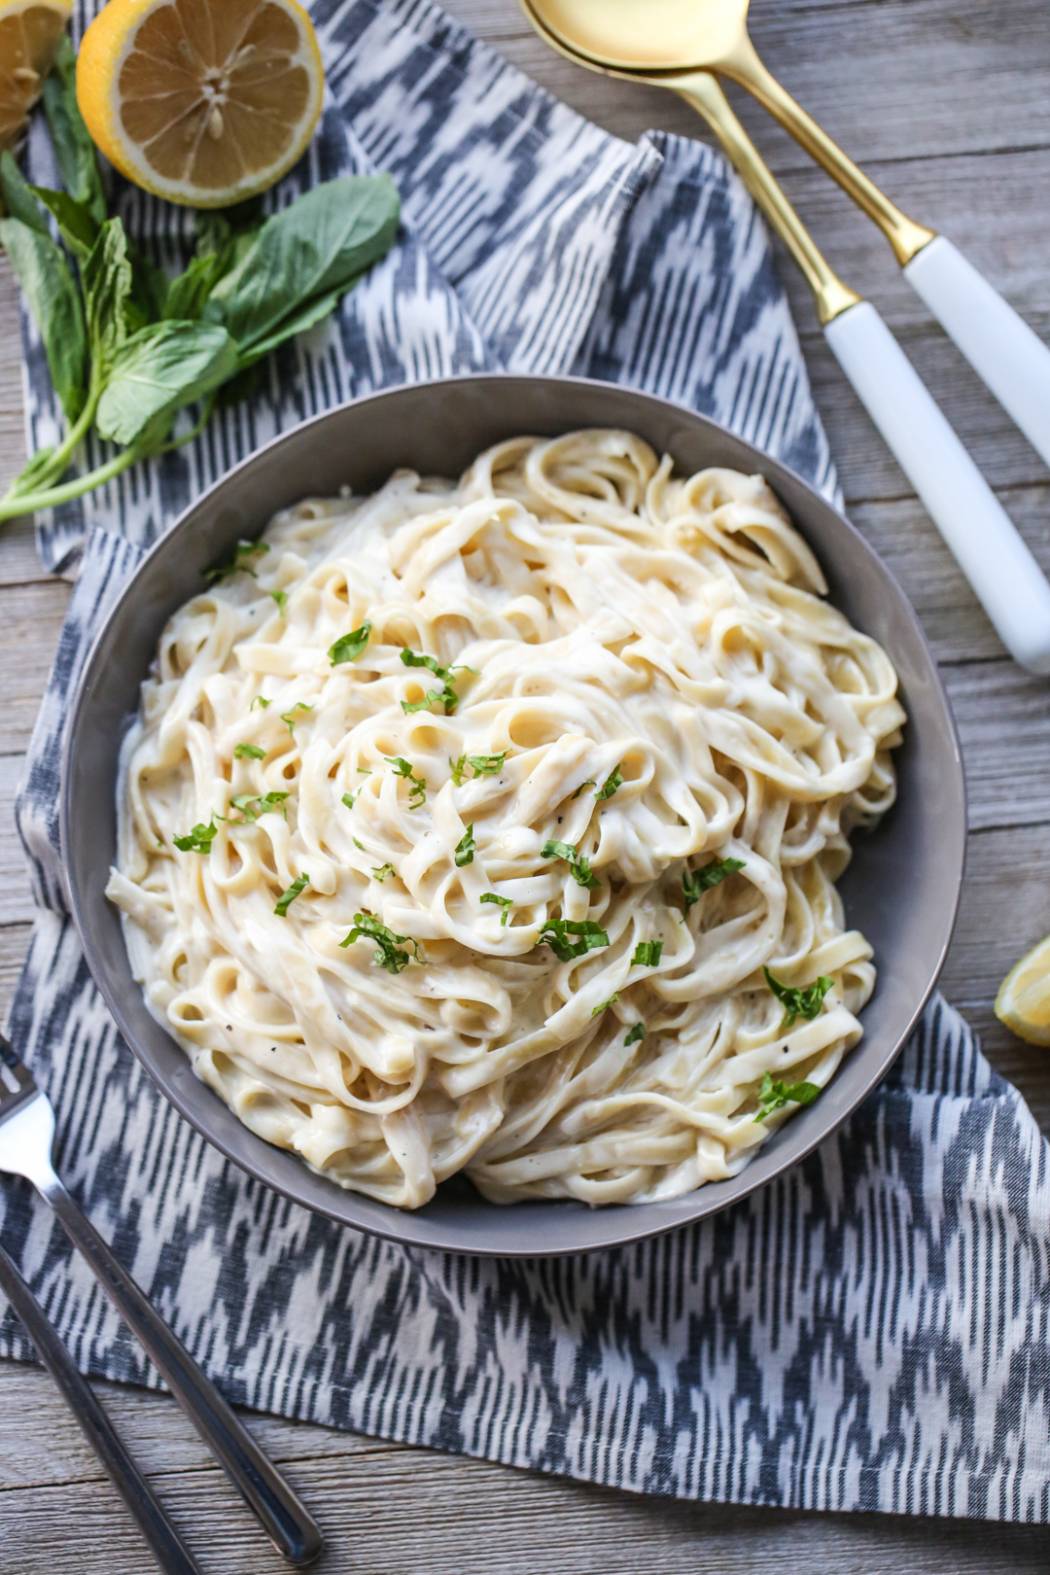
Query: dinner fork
171	1552
27	1129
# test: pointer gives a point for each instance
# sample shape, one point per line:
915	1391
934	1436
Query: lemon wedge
1023	1002
203	102
30	32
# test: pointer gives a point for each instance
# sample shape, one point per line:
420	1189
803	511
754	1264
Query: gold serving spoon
1002	571
669	36
669	41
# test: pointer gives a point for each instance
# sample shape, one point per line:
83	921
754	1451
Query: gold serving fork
27	1129
1004	575
659	40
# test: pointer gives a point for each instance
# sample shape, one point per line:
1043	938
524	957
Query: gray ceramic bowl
901	889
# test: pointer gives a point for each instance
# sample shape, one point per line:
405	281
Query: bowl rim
196	1109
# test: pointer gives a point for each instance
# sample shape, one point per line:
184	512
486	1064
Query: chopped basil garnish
580	867
465	848
774	1095
281	598
805	1001
199	839
251	807
349	646
647	953
696	882
389	954
260	701
285	900
609	786
446	696
403	768
556	933
636	1034
597	1010
506	903
288	717
412	658
486	765
479	766
240	563
249	752
348	799
381	871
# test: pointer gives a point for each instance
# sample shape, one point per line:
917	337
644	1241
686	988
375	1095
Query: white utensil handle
1005	576
999	345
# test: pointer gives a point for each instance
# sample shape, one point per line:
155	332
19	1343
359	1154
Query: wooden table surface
945	101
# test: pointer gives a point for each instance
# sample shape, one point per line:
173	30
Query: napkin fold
869	1331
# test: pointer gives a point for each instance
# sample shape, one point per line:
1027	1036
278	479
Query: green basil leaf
465	848
74	149
47	281
17	194
285	900
308	316
350	646
186	294
157	371
76	224
107	279
805	1001
314	247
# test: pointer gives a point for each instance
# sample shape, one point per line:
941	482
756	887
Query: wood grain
944	101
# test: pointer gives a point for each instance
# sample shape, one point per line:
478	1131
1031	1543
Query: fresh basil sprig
127	348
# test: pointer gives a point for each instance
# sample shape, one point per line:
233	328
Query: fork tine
15	1076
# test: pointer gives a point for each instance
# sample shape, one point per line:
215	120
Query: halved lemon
203	102
30	32
1023	1002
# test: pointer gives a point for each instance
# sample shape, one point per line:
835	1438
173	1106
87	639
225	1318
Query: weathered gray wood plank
891	80
412	1512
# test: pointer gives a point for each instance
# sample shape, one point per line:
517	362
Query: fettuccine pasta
494	826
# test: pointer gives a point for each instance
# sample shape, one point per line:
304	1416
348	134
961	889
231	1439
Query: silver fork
170	1551
27	1129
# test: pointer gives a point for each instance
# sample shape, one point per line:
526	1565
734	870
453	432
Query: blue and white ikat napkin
867	1332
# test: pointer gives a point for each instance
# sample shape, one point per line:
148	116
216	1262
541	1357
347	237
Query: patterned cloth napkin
868	1331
